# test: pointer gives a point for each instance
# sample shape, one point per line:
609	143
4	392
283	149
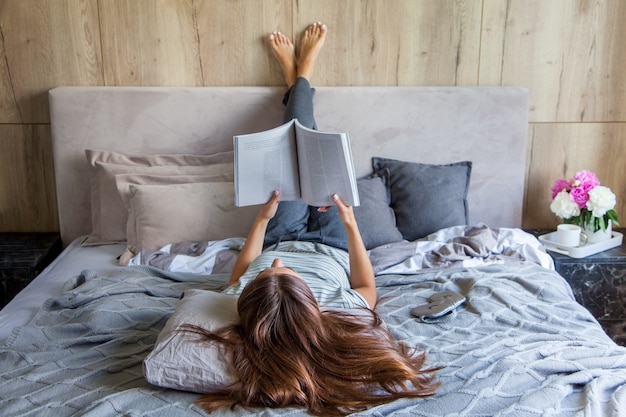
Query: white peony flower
601	200
563	206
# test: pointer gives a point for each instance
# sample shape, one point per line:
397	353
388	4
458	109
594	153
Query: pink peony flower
560	185
587	179
580	196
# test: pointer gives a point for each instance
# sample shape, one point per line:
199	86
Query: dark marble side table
599	284
22	257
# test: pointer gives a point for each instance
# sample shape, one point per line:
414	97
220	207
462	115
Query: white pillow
184	360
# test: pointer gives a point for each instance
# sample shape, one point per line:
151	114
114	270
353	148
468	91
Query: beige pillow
116	158
108	212
203	211
124	181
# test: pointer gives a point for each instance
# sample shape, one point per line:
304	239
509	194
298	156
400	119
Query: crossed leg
294	220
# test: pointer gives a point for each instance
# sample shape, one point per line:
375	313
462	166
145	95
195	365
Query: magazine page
264	162
326	167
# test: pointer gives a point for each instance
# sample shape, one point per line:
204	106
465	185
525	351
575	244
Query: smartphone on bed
440	304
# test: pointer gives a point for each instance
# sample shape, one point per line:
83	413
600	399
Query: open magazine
300	162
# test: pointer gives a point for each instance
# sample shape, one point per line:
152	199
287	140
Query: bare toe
284	51
315	34
311	45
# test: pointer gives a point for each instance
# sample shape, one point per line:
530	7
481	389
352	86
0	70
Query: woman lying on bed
307	335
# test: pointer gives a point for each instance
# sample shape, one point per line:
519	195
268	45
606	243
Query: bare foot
284	51
311	45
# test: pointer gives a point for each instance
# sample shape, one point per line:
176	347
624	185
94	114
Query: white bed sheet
74	259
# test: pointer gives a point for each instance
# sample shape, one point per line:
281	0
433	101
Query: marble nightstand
599	284
22	257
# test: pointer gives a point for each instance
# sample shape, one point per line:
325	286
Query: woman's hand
268	210
345	212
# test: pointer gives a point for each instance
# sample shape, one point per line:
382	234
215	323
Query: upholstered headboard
486	125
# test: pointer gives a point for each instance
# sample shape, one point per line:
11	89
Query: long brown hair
287	352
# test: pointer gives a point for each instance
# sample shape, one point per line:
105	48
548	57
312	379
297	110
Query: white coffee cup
570	235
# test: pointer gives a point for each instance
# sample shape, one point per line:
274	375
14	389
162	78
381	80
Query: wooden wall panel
569	53
396	42
559	150
28	195
232	40
150	42
9	113
49	43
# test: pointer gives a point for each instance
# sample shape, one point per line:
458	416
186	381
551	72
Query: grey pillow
376	220
425	197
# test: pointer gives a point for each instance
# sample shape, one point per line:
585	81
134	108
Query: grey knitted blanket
519	346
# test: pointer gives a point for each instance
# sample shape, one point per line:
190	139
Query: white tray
549	241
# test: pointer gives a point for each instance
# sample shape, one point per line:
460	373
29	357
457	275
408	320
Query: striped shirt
325	270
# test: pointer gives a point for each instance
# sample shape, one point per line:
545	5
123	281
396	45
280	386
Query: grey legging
295	220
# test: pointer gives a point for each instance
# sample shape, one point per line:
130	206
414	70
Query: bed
146	211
